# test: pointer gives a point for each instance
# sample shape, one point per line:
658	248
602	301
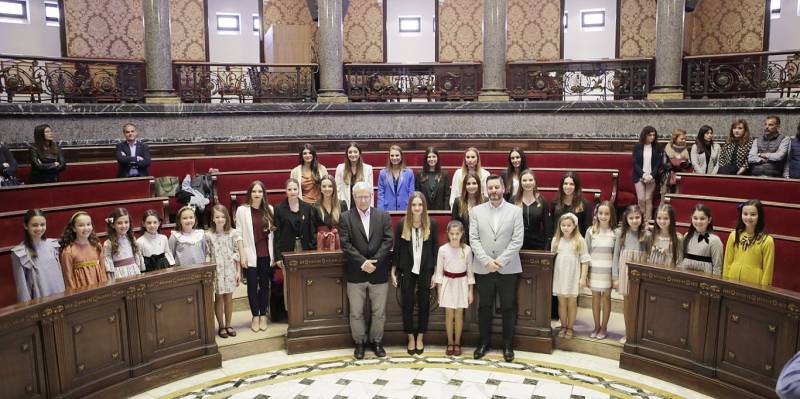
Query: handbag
166	186
10	181
728	169
328	239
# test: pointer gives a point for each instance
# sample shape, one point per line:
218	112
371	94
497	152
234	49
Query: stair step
246	342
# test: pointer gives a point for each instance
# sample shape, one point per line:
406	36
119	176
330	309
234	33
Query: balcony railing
73	80
218	82
761	74
618	79
398	82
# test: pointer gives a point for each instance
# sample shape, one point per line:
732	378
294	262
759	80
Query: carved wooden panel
754	343
174	318
325	296
23	363
667	324
534	285
94	345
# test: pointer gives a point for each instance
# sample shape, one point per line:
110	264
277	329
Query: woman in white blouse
705	152
471	165
350	172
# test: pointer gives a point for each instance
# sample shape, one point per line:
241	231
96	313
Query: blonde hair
333	202
677	133
465	168
224	211
579	242
409	219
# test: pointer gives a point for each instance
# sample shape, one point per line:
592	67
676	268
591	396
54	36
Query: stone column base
666	94
332	97
162	100
493	96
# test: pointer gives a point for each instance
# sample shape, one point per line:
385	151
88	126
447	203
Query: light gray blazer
502	244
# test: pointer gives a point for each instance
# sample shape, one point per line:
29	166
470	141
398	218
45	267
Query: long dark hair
577	197
511	171
671	232
746	135
517	199
641	234
425	168
700	141
268	217
463	200
692	231
32	213
335	211
314	163
69	236
112	233
645	131
760	223
42	144
348	172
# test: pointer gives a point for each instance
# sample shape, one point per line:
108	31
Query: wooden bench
73	193
764	188
781	218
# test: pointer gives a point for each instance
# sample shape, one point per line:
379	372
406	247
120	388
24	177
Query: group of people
771	155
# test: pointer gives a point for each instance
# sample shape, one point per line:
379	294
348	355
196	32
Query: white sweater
244	222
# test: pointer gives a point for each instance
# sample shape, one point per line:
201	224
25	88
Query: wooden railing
406	82
617	79
71	80
743	75
221	82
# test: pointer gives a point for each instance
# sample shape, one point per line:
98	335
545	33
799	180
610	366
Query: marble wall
534	30
637	28
363	31
460	35
91	123
115	29
724	26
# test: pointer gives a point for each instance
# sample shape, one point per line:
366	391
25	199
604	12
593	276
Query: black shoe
359	352
508	353
377	347
480	351
419	351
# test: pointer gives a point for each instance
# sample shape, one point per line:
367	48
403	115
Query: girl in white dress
665	247
454	281
629	247
224	245
569	273
122	255
702	249
153	244
600	241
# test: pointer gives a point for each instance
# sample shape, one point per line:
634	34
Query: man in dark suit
133	156
366	237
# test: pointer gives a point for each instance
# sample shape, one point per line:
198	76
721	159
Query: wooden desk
724	338
113	340
319	314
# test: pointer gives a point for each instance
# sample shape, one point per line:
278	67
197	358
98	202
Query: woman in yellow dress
750	251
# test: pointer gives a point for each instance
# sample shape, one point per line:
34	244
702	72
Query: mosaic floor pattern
433	376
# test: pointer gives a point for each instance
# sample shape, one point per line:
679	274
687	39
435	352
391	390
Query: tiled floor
335	375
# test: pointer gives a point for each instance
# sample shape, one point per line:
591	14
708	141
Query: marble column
331	43
494	51
669	50
158	52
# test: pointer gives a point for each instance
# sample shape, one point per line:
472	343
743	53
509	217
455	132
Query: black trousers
489	286
258	280
415	287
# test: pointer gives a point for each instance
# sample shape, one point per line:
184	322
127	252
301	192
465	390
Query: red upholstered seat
781	218
71	193
763	188
57	217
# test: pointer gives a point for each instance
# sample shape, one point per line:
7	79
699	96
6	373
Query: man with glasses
365	233
133	156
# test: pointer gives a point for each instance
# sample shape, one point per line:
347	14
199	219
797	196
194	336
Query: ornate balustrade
397	82
618	79
743	75
72	80
218	82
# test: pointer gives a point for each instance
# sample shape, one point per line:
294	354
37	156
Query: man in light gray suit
496	233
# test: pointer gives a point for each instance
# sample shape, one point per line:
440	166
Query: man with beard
496	232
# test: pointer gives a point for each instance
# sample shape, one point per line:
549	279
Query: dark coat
656	162
404	251
7	157
440	195
285	233
43	165
358	248
126	161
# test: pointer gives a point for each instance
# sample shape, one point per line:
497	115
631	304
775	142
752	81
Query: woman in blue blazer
395	182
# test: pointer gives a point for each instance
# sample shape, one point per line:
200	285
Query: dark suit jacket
656	161
126	161
358	248
404	251
440	195
7	157
285	235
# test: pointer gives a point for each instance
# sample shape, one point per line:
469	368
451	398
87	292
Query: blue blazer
390	199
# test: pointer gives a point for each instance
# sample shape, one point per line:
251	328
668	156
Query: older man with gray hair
365	233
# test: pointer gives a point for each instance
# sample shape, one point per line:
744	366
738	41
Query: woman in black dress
328	212
535	213
47	159
433	182
471	195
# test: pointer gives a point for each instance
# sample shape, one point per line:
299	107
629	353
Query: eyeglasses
363	197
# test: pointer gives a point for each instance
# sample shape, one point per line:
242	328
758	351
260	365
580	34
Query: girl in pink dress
454	280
